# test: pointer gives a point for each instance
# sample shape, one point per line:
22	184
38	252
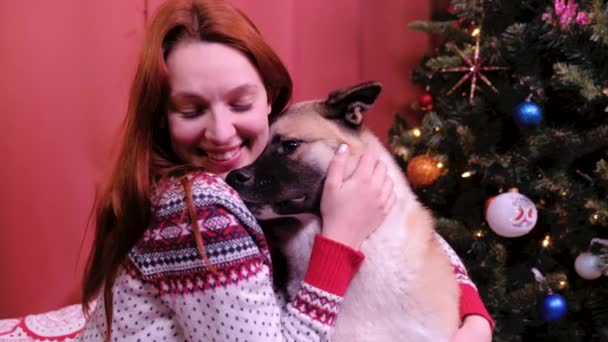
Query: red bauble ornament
487	203
426	101
422	171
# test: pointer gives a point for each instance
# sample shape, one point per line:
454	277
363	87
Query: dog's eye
290	146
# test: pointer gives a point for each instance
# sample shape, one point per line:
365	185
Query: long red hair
122	207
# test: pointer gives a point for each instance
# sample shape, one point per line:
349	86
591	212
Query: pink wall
66	68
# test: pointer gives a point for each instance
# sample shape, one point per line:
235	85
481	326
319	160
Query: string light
467	174
547	241
416	132
439	165
563	284
437	129
475	32
479	233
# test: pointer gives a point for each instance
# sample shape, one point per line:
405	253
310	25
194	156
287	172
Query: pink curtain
66	69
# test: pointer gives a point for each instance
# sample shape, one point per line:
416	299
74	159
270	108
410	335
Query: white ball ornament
511	214
587	266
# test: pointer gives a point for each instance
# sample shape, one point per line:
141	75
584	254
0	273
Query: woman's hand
354	207
474	329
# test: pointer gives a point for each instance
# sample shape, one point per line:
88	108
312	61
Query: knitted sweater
470	302
167	292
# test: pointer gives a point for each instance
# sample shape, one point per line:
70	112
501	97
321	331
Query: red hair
122	207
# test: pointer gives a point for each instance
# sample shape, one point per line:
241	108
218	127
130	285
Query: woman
176	255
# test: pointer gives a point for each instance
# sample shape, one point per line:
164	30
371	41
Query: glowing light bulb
547	241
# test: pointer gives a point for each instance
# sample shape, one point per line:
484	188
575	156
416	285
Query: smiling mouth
220	156
223	156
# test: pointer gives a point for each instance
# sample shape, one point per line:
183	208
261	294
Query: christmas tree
511	155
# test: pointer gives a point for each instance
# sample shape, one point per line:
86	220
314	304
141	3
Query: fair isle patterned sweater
167	292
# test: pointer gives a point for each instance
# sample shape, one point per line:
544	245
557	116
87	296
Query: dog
405	289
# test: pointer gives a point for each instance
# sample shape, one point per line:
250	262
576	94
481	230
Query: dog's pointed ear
348	105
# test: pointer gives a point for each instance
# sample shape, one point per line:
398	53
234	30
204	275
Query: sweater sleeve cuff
332	265
471	304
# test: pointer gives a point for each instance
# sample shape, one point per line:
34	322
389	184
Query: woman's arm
473	313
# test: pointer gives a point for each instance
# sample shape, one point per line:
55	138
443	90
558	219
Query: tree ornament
590	265
528	114
426	101
473	69
566	13
587	266
459	23
553	307
422	171
511	214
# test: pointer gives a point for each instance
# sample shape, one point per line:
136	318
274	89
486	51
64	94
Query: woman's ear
269	109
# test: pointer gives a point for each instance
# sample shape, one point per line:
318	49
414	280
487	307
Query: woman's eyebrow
241	90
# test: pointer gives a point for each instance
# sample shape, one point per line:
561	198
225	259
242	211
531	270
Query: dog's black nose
239	178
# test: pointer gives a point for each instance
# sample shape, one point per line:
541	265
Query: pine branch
466	138
514	37
452	230
498	289
557	185
572	74
432	128
553	143
601	170
599	212
563	146
403	138
597	303
445	28
600	21
468	9
438	63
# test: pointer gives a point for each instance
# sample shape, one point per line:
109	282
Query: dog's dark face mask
288	178
278	184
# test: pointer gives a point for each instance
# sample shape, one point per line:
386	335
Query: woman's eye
240	107
290	146
191	112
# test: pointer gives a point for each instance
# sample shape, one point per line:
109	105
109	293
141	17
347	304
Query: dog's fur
406	289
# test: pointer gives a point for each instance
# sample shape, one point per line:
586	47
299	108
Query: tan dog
406	289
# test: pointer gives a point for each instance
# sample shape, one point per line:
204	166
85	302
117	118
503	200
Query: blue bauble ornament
553	307
528	114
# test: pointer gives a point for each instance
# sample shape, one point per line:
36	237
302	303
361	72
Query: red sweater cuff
471	304
332	265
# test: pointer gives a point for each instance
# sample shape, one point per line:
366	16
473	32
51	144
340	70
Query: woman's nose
220	129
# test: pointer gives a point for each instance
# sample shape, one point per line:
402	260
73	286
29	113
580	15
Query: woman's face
218	107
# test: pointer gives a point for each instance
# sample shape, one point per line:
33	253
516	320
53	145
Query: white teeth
299	199
222	156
